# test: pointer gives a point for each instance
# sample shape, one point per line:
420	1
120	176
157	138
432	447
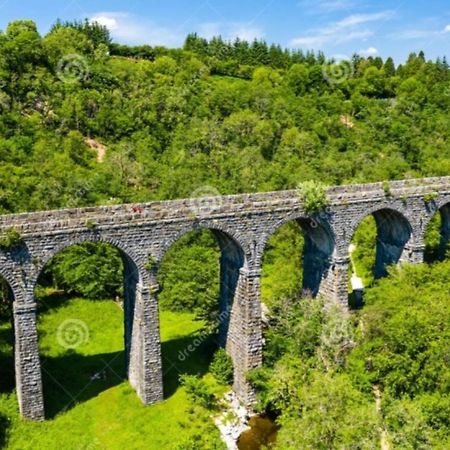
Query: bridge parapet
217	207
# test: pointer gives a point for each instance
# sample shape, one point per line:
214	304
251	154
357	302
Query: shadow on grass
54	300
6	361
187	355
4	425
74	378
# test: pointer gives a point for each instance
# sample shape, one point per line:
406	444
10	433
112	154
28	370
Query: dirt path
384	443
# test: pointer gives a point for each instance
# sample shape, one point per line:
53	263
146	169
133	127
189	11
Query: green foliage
282	266
198	390
93	270
387	188
151	263
10	239
222	367
93	31
433	239
363	256
189	276
313	195
405	340
431	197
331	414
90	224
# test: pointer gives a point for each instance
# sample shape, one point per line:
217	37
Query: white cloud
420	34
371	51
230	31
345	30
130	29
328	6
108	22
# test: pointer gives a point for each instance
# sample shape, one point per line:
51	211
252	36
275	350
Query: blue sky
338	27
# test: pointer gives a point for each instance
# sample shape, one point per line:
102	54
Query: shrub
10	239
90	224
313	195
222	367
387	188
198	390
430	197
151	263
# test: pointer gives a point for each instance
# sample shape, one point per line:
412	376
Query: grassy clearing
104	413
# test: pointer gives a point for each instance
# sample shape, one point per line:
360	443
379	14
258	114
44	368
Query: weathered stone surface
242	224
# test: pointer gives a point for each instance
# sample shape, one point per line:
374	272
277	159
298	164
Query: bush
93	270
10	239
313	195
198	390
222	367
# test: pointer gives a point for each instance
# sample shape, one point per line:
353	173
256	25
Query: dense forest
85	121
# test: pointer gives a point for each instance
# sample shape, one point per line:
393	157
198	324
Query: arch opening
86	297
7	372
296	260
378	242
437	236
198	278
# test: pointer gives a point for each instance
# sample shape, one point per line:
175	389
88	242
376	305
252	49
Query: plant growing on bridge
430	197
90	224
387	188
151	263
11	238
313	195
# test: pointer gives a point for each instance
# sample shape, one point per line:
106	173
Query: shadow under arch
437	234
132	276
7	371
319	246
233	258
393	232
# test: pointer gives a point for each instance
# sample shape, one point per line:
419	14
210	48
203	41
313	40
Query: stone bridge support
334	286
244	341
27	362
145	366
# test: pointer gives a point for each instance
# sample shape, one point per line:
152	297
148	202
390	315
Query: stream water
263	431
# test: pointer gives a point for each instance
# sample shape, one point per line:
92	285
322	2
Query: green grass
106	413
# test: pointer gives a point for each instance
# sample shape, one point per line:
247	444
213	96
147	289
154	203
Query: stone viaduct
242	224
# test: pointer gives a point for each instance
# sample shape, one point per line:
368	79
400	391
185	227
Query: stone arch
128	255
441	208
13	284
318	251
228	235
135	277
394	231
